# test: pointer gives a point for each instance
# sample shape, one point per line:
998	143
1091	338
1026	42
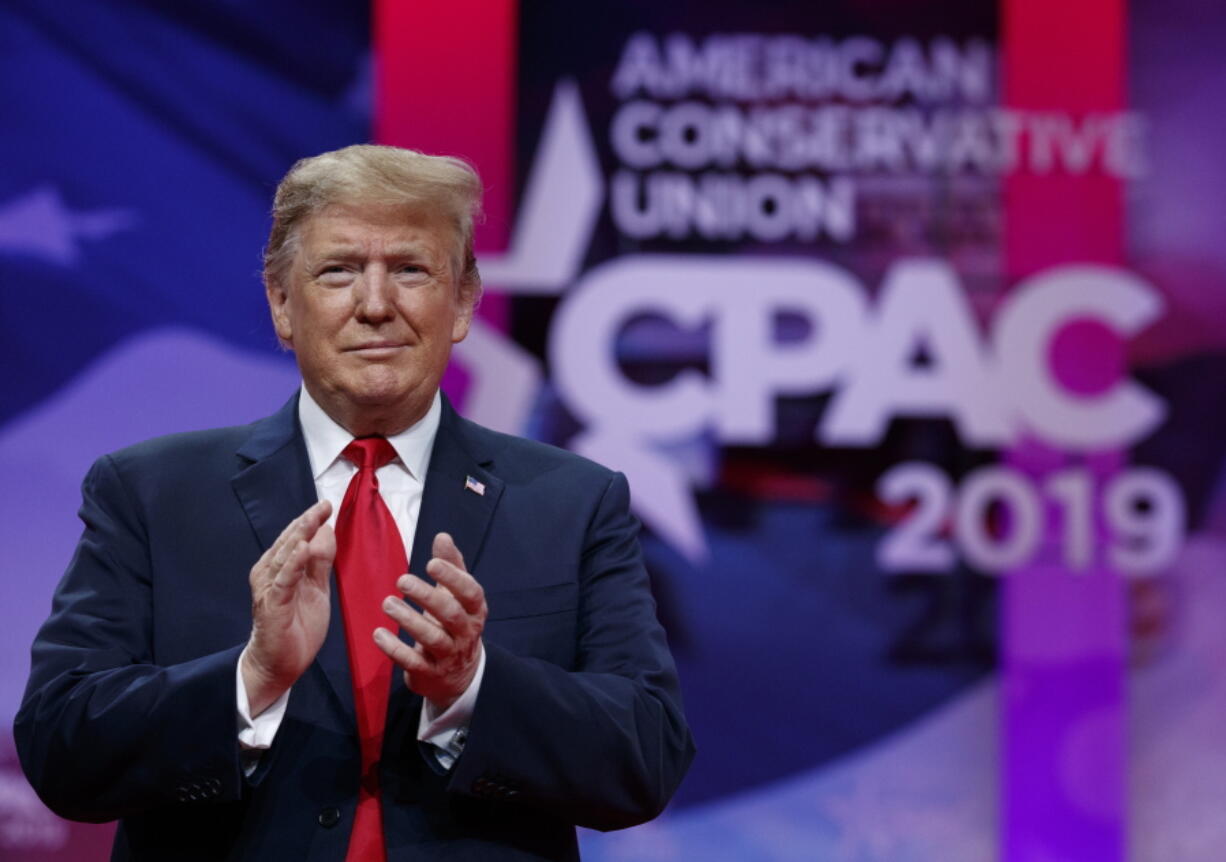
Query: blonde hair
377	175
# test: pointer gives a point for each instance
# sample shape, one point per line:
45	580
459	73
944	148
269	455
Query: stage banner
905	320
869	307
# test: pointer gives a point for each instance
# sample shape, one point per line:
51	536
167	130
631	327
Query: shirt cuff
447	731
258	732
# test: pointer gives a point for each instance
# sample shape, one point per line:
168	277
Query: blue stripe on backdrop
142	144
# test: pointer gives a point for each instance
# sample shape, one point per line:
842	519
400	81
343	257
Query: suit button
329	817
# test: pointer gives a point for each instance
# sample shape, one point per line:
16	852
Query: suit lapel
450	503
276	487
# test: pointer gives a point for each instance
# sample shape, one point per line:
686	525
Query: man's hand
289	607
443	661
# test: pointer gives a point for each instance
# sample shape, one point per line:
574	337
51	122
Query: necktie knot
369	452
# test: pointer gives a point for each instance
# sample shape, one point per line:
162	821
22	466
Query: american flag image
473	485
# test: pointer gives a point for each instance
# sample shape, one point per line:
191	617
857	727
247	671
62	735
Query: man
217	667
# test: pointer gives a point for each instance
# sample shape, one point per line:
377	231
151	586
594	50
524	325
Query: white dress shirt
401	483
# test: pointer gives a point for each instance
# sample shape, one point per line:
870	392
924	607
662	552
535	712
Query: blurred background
906	320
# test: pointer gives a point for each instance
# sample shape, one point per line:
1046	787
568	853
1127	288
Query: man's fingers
306	537
400	652
274	558
320	552
459	583
323	545
432	638
444	548
315	517
305	525
437	601
290	573
301	528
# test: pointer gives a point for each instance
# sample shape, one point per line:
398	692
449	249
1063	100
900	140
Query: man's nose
373	299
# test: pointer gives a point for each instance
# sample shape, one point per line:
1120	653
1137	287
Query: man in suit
217	668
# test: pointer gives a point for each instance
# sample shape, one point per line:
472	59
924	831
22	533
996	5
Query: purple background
132	209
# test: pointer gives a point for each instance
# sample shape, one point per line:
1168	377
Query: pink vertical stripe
1063	634
445	77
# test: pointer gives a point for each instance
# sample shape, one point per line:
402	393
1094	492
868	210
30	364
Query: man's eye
334	275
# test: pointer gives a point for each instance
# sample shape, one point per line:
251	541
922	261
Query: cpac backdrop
905	320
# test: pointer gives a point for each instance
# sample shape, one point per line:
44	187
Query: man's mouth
377	348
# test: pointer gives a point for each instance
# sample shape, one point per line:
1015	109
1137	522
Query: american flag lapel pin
473	485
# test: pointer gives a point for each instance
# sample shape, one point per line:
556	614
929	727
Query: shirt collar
326	439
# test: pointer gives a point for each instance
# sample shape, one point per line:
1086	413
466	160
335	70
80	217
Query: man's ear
279	308
466	304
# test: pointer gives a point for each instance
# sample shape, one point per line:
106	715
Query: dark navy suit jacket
130	710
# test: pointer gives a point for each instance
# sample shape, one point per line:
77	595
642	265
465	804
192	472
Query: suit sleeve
604	745
103	731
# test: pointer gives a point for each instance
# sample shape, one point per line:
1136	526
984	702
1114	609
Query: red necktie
369	558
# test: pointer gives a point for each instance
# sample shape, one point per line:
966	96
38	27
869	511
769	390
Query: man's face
370	307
